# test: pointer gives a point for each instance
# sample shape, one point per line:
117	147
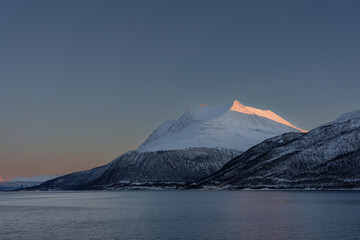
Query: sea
191	214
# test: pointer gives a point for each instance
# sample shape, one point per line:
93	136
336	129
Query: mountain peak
231	126
237	106
236	103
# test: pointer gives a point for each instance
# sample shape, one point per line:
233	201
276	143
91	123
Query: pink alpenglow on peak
238	107
232	126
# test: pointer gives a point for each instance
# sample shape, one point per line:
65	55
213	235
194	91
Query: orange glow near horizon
4	179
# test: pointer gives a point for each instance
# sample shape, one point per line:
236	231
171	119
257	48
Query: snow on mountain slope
328	157
233	126
76	180
346	117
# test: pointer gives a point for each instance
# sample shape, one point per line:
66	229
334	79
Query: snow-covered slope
233	126
328	157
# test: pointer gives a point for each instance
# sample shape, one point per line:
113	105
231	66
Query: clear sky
84	81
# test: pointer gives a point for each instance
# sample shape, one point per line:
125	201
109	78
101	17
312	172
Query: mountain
233	126
7	184
327	157
183	150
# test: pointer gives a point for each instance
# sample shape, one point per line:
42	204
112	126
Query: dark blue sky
84	81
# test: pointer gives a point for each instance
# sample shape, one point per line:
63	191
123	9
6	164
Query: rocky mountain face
327	157
147	169
196	145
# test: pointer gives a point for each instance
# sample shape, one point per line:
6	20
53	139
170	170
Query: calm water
180	215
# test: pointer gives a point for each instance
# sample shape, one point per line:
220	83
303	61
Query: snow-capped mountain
233	126
328	157
199	143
